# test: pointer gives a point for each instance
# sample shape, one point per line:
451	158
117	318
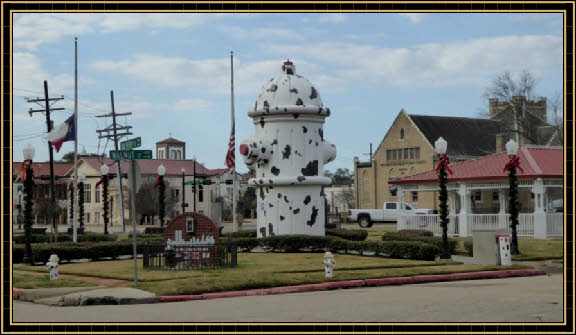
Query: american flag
230	160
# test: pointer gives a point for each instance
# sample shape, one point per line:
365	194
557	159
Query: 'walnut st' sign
130	154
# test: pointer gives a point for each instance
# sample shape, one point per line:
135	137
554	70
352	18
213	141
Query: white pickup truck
389	212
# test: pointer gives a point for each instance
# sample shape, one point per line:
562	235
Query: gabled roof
465	136
150	166
536	163
170	140
43	169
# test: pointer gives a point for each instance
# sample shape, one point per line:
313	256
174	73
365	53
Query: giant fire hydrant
52	264
287	153
329	263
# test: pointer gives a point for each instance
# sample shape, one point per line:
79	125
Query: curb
356	283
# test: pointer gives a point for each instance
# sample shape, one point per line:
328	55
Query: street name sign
131	144
130	154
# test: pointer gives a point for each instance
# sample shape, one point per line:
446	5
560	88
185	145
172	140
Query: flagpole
234	195
74	207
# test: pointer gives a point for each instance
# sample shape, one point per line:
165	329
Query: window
414	196
402	133
477	196
495	196
175	194
388	155
390	205
417	153
190	225
394	155
87	193
406	153
97	217
412	153
87	217
97	195
200	193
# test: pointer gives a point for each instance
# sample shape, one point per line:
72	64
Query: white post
502	217
401	224
464	193
539	213
75	183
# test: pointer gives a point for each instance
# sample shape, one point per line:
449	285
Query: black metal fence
187	257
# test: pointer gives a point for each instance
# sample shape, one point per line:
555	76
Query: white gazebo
541	179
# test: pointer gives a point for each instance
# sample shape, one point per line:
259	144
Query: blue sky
171	71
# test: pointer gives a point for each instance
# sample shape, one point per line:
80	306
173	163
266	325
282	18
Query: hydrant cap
288	92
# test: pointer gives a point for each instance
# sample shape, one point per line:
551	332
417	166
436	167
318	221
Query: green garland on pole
443	198
514	208
71	203
161	200
28	216
105	204
81	204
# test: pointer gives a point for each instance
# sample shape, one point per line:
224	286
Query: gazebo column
539	210
401	223
502	217
465	209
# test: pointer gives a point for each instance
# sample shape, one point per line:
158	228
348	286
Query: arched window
402	133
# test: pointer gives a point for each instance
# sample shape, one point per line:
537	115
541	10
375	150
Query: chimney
493	107
499	143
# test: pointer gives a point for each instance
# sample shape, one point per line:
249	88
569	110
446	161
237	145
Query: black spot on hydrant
321	133
275	171
281	218
272	88
261	193
294	90
299	102
304	129
271	229
279	195
287	151
307	200
270	205
301	178
286	199
263	231
274	142
296	115
266	105
312	220
313	94
263	150
296	211
262	122
311	169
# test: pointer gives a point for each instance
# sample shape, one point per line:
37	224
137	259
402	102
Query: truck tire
364	221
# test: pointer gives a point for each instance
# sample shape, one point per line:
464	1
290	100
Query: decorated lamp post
27	178
104	169
183	170
513	163
442	170
81	180
20	193
161	200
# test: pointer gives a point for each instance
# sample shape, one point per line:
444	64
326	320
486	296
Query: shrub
246	243
411	232
434	240
469	246
348	234
154	230
393	249
294	243
63	237
69	251
240	234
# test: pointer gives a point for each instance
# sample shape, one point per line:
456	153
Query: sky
172	71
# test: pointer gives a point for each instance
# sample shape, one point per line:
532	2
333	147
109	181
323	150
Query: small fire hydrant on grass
52	264
328	263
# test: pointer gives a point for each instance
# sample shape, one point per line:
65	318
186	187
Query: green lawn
375	233
257	270
43	281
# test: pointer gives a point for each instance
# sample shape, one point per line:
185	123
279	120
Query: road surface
527	299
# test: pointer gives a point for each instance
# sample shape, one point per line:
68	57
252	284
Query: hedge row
294	243
411	232
434	240
469	246
69	251
64	237
240	234
348	234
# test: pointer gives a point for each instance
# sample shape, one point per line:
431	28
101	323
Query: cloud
31	30
414	17
332	18
193	106
435	64
29	75
239	33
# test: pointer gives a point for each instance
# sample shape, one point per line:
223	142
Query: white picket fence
431	222
525	228
554	224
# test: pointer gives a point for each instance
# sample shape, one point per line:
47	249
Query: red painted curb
358	283
16	292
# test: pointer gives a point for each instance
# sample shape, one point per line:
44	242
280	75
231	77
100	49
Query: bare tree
555	105
345	197
147	199
505	88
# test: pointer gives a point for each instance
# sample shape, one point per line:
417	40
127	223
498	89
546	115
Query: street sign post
130	154
131	144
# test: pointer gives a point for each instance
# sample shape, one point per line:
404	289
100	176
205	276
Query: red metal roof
43	169
150	166
536	163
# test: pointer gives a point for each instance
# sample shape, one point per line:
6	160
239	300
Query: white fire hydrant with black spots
52	264
287	153
329	263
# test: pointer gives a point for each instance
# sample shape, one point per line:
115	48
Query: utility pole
46	110
105	133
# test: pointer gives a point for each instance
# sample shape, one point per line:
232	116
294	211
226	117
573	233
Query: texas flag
62	133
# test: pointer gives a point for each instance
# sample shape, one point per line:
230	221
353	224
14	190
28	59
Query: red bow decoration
25	166
157	182
100	181
444	161
514	161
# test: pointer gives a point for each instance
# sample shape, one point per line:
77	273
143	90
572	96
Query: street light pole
513	163
104	169
161	200
183	191
20	187
442	169
195	186
27	177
